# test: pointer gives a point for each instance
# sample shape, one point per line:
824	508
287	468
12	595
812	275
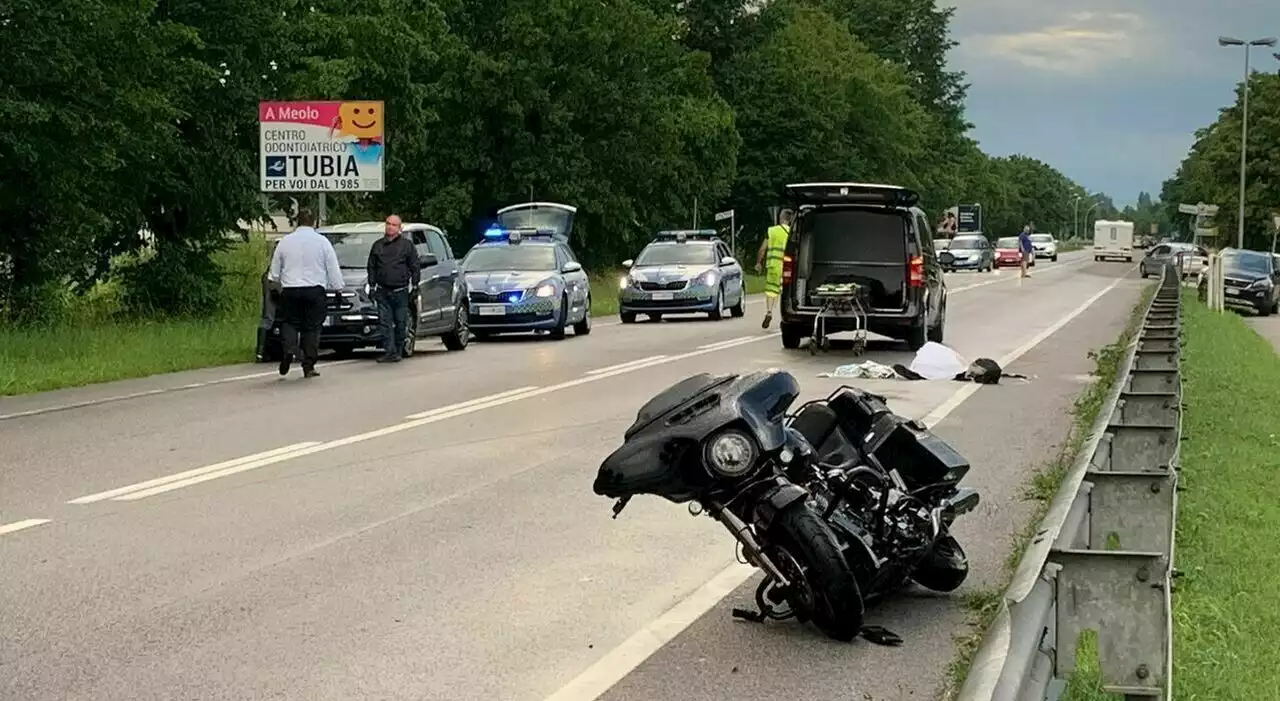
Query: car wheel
460	336
917	336
410	335
1053	258
562	323
936	333
718	313
791	336
582	328
627	317
739	310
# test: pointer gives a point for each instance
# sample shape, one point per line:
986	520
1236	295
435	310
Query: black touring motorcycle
839	503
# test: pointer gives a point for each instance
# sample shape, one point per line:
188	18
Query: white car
1045	246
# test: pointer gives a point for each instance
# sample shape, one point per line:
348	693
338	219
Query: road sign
1200	209
321	146
968	218
721	216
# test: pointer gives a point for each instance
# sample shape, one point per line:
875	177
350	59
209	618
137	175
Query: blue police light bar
686	234
516	235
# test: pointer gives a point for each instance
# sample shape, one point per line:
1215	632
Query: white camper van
1113	239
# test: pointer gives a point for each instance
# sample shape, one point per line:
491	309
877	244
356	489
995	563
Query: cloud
1080	44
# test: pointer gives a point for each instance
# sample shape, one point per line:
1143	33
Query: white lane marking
22	525
597	371
726	344
965	392
182	476
597	679
472	402
622	660
151	392
253	462
1065	265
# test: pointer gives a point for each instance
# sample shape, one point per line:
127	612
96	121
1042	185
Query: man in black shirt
394	272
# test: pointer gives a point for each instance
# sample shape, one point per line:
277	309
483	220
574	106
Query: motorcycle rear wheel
828	593
945	568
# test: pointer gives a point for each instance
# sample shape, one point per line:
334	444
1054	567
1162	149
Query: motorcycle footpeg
880	636
748	615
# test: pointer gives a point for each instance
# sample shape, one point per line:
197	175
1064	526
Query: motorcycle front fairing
661	454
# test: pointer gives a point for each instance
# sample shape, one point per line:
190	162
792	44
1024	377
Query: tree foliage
137	116
1210	173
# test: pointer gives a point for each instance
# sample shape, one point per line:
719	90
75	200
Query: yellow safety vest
777	235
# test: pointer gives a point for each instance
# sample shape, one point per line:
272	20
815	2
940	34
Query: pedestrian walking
306	266
769	260
394	274
1028	251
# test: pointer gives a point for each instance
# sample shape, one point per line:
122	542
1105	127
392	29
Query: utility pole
1244	120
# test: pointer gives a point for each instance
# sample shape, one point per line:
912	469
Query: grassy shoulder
983	604
1226	620
94	342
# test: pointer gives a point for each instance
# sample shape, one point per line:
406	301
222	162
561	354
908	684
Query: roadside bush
175	281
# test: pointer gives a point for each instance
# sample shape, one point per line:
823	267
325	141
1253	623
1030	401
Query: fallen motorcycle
826	524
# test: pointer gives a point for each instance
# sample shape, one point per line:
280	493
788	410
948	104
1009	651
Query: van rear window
856	235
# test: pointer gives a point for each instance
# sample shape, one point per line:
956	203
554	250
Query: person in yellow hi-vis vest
772	249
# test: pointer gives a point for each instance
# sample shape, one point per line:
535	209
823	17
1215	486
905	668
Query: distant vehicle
968	252
1009	253
438	309
871	235
1250	280
940	245
682	272
1147	241
1194	259
524	277
1113	239
1045	246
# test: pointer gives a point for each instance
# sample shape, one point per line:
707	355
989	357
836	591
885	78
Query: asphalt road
428	531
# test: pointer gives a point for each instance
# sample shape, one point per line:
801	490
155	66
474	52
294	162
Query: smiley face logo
362	120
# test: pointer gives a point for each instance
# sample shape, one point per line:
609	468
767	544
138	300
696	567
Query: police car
524	277
682	272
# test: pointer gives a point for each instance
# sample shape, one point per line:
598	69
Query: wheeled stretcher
846	300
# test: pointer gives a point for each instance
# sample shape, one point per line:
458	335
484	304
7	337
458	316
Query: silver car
1194	259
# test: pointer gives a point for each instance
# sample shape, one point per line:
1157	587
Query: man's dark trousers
303	312
393	312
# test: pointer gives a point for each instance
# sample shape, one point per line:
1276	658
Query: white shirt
304	258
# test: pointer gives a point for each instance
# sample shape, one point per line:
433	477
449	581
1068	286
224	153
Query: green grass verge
93	343
1226	617
983	604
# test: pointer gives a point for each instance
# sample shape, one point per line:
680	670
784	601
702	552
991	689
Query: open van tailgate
862	245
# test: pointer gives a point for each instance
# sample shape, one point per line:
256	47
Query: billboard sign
968	218
321	146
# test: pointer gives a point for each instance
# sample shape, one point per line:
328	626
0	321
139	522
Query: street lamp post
1075	217
1085	219
1244	119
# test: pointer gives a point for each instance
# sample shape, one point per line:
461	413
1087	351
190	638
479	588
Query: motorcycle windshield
661	453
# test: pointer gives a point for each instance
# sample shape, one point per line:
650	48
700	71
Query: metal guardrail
1102	557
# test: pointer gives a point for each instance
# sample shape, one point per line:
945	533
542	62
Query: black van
873	235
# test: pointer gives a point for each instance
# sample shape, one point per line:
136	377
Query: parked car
438	309
1194	259
968	252
1250	280
682	272
1045	246
1009	254
871	235
524	277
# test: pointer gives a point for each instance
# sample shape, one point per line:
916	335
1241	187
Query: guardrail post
1102	561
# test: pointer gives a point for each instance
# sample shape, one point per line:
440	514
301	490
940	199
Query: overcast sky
1108	92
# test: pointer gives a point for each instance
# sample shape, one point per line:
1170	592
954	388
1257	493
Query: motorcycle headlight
709	278
545	290
730	453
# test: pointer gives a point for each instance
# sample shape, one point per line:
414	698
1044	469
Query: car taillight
788	269
915	272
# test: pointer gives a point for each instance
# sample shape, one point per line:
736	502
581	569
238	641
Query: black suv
439	308
1250	280
872	235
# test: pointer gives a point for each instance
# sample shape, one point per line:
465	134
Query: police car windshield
513	257
677	254
353	249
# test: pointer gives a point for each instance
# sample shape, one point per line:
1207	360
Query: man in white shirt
305	265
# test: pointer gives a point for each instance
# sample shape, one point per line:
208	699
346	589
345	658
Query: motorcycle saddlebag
918	454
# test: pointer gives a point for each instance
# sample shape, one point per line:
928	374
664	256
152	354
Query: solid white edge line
599	678
22	525
112	493
471	402
597	371
606	672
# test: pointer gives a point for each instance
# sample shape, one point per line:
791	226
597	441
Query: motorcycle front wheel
945	568
823	589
